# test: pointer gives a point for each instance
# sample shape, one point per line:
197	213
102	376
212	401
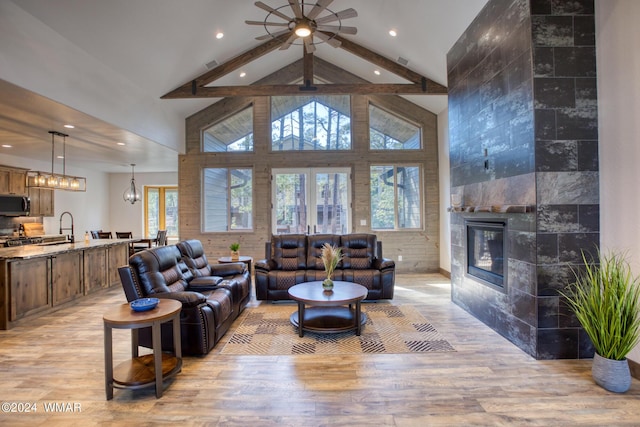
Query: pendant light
55	181
131	194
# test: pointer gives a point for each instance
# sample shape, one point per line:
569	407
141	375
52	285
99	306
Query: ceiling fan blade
308	45
297	10
344	14
338	29
289	41
329	40
276	24
272	10
318	7
273	35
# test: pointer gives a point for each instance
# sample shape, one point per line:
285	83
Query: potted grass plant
605	299
331	256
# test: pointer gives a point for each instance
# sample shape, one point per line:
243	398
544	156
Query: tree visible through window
161	211
395	197
310	123
227	199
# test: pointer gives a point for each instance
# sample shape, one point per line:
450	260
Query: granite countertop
44	250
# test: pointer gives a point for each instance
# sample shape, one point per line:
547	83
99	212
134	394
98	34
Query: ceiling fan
308	21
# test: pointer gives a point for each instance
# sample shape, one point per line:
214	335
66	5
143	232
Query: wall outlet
363	222
399	257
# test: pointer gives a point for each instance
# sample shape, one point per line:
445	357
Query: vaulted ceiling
104	66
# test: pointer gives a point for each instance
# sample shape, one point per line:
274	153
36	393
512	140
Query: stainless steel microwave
14	205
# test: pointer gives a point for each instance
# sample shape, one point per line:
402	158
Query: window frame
396	203
203	223
162	222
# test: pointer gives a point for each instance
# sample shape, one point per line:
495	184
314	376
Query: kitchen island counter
49	249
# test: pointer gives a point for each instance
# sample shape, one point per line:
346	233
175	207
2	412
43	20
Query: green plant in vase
331	257
235	251
605	299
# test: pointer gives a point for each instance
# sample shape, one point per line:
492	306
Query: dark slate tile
517	44
548	312
521	131
541	7
573	7
586	349
557	219
522	246
575	61
521	276
572	245
578	124
554	92
543	65
545	124
557	344
586	92
497	87
553	277
589	218
566	316
556	156
547	248
519	72
513	162
584	30
523	306
552	31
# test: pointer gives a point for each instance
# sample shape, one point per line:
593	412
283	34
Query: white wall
445	189
618	39
124	216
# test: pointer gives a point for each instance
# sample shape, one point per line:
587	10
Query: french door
311	200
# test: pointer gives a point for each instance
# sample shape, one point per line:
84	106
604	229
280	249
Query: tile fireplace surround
524	149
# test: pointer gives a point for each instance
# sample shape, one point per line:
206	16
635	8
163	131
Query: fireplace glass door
486	251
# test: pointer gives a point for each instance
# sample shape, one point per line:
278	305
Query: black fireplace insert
486	252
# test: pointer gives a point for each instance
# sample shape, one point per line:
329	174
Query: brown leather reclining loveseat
212	296
295	258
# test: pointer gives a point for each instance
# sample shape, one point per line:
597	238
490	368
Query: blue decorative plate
144	304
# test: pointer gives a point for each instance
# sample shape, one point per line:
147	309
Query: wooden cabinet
13	181
118	256
95	269
41	202
66	277
29	290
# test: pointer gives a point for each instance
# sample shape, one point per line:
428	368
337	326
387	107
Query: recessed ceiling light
393	33
6	146
121	143
219	35
69	126
376	72
242	74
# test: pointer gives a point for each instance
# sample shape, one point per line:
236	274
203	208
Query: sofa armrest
228	269
383	264
204	283
188	299
265	265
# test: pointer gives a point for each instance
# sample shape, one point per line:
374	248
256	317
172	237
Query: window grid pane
390	132
227	199
395	197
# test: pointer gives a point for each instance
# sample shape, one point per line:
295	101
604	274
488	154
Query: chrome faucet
70	236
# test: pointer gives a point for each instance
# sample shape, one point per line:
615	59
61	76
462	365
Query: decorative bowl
144	304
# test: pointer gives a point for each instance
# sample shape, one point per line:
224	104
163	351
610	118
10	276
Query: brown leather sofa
295	258
208	305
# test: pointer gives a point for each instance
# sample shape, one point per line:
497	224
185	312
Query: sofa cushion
314	249
358	250
158	270
288	251
194	257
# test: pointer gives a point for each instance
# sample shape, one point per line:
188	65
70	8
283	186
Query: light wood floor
487	381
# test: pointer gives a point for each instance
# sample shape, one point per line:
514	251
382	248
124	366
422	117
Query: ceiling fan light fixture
303	30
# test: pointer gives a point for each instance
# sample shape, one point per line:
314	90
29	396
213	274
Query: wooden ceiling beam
228	67
324	89
388	64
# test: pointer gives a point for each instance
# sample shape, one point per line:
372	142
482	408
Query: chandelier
56	181
131	194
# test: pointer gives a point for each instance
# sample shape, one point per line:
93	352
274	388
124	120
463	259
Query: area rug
266	330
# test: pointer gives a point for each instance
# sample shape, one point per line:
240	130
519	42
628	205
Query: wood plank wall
419	249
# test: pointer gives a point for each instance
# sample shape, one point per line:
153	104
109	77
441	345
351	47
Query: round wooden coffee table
328	312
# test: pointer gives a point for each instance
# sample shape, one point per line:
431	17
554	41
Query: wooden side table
246	259
150	369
